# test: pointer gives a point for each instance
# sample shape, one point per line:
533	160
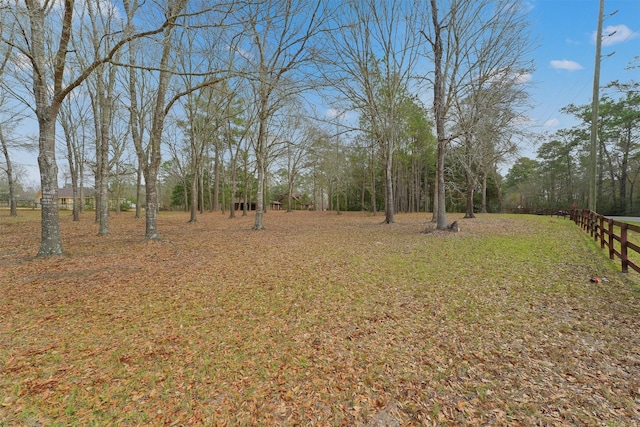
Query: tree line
225	96
558	177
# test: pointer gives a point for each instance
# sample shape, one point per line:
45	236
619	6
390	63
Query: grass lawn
322	320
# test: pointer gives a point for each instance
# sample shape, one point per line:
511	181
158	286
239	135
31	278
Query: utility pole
593	146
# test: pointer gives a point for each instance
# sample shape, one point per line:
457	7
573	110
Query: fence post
602	231
623	248
588	223
611	239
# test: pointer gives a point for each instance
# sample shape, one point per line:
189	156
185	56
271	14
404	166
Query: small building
239	206
298	201
66	201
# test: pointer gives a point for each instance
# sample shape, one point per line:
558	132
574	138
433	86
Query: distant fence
537	211
602	229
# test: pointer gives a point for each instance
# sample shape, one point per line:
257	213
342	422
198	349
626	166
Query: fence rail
602	229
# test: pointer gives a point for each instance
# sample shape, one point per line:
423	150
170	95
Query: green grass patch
319	320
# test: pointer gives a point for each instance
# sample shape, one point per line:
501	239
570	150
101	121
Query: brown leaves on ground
322	319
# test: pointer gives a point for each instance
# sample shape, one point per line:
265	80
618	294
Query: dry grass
322	319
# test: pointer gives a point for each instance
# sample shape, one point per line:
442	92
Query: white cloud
551	123
565	64
518	77
615	34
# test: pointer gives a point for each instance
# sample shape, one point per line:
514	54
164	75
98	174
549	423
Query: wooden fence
602	229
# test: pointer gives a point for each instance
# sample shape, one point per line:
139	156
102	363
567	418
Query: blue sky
564	61
565	57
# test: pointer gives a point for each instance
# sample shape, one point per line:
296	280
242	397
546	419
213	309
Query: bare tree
140	98
9	170
200	128
204	109
295	136
374	54
5	127
297	146
149	156
74	119
468	41
178	166
487	124
45	30
236	133
94	37
276	48
46	109
498	138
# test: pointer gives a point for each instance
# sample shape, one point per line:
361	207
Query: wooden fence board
602	228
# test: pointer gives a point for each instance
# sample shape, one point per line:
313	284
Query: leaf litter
321	319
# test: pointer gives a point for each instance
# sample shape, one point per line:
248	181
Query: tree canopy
217	98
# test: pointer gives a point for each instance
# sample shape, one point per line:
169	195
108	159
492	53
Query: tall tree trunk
195	173
80	156
469	175
289	196
77	202
245	190
498	183
201	187
483	208
51	243
374	207
101	101
363	191
261	164
117	191
440	213
427	199
265	197
436	187
216	179
234	179
155	136
134	120
46	112
103	167
186	192
414	195
194	198
13	210
138	189
209	186
388	182
70	138
223	184
151	212
469	194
